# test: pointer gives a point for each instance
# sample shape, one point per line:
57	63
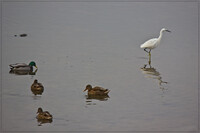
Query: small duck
96	90
43	115
37	88
23	66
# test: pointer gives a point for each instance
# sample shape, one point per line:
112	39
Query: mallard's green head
32	63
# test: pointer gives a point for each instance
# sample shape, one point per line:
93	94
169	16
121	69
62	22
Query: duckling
37	88
96	90
43	115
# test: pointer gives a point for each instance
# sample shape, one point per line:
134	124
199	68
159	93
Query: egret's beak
168	30
85	89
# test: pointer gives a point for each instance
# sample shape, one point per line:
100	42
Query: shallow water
97	43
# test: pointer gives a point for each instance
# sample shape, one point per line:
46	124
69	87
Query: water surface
98	43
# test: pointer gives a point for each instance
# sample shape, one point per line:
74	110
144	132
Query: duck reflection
92	99
151	72
37	92
41	122
97	97
23	72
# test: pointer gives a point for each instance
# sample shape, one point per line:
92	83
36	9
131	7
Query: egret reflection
151	72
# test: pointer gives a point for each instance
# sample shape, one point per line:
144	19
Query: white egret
153	43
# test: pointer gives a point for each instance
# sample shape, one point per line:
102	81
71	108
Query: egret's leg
149	52
150	57
146	50
150	61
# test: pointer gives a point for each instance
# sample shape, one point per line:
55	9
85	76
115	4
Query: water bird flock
96	91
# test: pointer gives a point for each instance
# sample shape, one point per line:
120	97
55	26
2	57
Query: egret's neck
160	36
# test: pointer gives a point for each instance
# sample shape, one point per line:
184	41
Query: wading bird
154	42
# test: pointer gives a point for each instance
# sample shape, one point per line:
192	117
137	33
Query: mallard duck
43	115
23	66
37	88
23	72
96	90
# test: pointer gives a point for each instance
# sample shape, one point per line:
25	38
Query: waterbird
154	42
23	35
96	90
43	115
23	66
37	88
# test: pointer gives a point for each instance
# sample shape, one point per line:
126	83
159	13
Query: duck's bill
85	89
36	67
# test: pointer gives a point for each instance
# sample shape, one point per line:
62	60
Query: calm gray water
98	43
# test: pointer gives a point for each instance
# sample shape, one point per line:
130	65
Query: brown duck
37	88
43	115
98	91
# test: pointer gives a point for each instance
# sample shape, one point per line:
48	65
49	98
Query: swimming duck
37	88
43	115
96	90
23	66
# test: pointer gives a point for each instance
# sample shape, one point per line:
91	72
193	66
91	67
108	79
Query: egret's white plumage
154	42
